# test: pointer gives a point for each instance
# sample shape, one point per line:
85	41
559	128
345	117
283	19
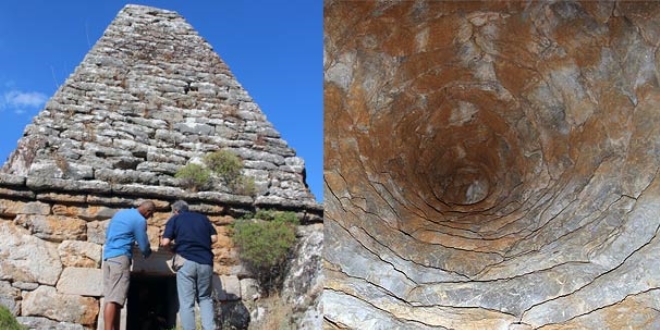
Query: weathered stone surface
303	283
209	209
157	263
61	168
233	315
25	258
9	180
25	286
96	231
220	220
53	228
491	165
46	302
81	281
37	323
61	198
226	287
119	176
12	208
45	183
90	213
80	254
9	297
250	289
16	193
222	198
110	201
148	191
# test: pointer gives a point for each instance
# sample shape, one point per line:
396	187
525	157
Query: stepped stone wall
150	97
492	165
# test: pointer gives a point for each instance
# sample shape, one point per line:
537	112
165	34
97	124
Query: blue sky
273	47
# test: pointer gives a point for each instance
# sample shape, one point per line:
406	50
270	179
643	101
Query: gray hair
180	206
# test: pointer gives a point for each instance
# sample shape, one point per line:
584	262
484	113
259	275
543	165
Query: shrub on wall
264	244
246	186
194	176
226	165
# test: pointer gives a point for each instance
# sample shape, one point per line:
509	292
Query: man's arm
165	241
142	238
168	233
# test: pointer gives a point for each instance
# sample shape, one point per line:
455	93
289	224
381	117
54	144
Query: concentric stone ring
492	165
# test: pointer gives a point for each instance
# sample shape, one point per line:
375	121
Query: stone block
26	258
80	254
227	287
81	282
156	264
46	302
250	289
17	192
10	180
61	198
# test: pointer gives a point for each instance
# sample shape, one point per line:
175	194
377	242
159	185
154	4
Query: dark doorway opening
152	302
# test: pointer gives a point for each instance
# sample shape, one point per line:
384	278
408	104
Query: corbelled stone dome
492	164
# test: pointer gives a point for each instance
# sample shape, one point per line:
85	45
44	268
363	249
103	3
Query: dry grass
62	164
278	315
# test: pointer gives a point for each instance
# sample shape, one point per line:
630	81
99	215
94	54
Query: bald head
146	208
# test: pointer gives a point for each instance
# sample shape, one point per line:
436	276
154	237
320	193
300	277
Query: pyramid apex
143	8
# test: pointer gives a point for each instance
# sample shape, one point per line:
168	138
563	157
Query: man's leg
185	288
111	316
205	290
116	277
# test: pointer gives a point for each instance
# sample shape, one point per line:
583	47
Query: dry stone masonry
492	165
150	97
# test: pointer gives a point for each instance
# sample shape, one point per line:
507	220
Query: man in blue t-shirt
193	234
125	228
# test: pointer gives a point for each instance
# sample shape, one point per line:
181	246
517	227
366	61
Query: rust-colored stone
493	158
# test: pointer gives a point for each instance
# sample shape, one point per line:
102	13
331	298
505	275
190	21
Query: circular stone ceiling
492	165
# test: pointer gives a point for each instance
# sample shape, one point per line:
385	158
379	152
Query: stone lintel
15	192
221	198
144	191
64	198
84	186
10	180
110	201
156	264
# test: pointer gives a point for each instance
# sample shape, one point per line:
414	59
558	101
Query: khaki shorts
116	278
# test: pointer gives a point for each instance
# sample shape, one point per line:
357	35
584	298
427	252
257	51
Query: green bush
8	321
277	216
265	243
286	217
194	176
267	215
246	186
226	164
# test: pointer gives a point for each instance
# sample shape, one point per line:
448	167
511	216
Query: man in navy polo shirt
193	235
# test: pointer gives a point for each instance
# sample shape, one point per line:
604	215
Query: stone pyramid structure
150	97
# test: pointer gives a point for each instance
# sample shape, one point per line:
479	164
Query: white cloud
20	101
